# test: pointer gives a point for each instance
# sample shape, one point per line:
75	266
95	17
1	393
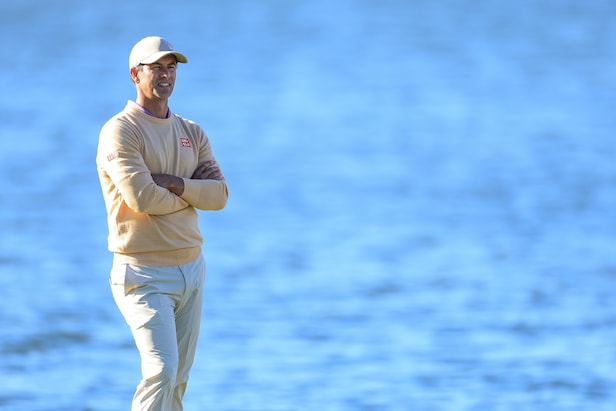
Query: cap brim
157	56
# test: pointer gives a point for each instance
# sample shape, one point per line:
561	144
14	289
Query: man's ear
134	74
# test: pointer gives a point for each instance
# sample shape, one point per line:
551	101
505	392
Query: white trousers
162	306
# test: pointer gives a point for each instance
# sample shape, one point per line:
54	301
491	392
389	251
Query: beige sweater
148	224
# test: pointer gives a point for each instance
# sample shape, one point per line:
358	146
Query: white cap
151	49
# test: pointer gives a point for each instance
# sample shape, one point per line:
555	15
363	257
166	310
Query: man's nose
164	71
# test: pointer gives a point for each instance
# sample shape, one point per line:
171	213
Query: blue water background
421	212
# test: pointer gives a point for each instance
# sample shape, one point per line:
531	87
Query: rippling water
421	212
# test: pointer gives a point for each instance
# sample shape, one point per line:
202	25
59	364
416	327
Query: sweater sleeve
125	166
206	194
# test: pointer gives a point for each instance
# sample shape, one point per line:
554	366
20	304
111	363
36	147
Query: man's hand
172	183
208	171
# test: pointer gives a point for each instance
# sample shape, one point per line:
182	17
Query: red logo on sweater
113	156
185	142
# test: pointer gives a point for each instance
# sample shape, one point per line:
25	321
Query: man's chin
164	92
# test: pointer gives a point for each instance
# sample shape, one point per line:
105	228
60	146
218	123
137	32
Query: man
155	169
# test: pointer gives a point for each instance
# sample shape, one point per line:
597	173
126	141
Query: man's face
156	80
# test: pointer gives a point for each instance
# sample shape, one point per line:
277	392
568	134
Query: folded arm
207	187
205	190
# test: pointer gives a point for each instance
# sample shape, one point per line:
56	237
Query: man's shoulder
183	119
189	125
120	120
122	124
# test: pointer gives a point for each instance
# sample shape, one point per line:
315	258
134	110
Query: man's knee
164	375
169	374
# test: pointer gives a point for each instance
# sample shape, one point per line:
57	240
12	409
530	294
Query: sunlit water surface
421	214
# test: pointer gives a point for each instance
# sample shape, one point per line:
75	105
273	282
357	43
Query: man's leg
146	297
188	322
